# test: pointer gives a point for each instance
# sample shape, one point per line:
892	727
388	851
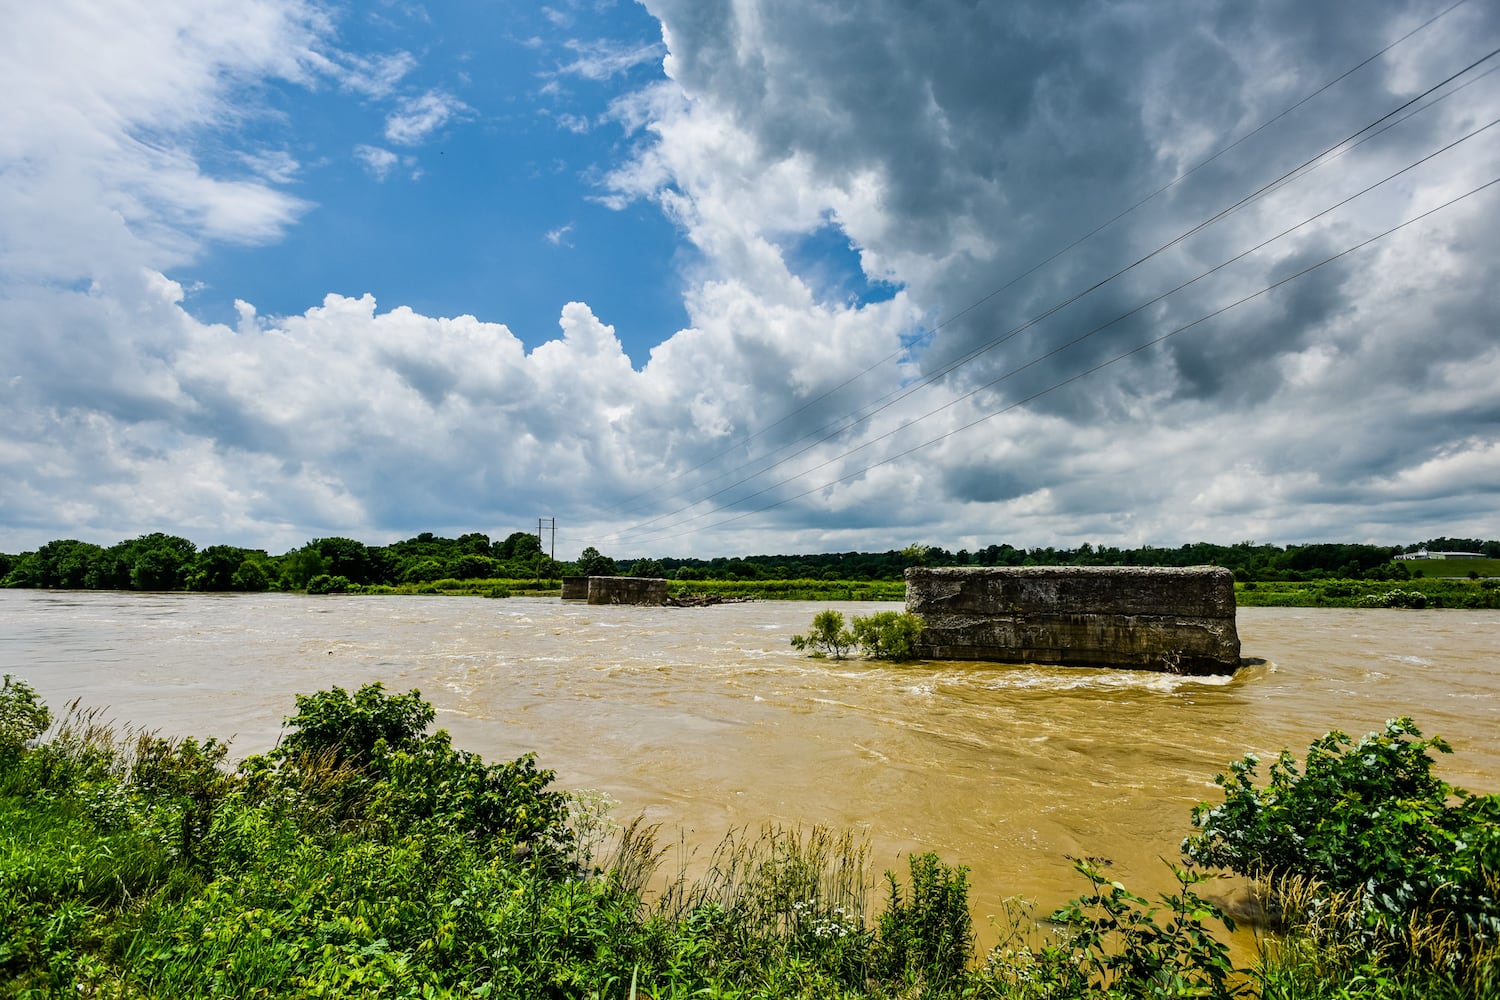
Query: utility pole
551	524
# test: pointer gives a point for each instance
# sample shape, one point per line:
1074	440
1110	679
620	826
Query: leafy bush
1128	948
1367	817
1396	598
887	635
926	935
402	777
349	727
325	584
430	781
22	716
828	637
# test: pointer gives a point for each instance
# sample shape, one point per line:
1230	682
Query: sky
722	277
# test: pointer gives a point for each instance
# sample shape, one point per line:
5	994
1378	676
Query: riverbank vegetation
1415	594
883	635
367	857
474	564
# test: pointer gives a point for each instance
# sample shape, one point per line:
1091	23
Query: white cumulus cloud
416	118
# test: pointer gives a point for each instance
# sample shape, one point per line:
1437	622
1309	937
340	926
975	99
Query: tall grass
1325	945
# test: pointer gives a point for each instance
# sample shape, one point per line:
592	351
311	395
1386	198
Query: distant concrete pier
575	588
1138	617
627	590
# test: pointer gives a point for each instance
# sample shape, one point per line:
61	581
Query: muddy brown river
706	719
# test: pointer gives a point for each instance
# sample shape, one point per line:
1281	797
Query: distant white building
1424	554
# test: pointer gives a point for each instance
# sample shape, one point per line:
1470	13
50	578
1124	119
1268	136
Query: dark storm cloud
1036	122
988	484
1000	133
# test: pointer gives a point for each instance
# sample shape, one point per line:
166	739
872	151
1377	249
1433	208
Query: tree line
160	561
1248	560
168	562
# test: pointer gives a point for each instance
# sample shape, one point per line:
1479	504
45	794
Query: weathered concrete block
575	588
627	590
1140	617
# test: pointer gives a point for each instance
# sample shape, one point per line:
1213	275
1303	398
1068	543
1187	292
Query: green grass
794	590
1432	568
758	590
498	587
1436	593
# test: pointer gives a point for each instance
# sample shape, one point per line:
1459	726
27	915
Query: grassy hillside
1455	567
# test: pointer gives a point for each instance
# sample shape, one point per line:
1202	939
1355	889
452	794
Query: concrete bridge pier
627	590
1178	620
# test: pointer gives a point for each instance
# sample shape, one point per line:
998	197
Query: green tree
887	635
64	563
250	576
518	545
156	561
473	567
828	636
474	543
592	562
301	565
213	568
346	557
647	567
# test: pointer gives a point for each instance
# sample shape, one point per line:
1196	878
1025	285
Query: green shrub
828	637
325	584
887	635
22	716
402	777
1396	598
429	781
350	726
926	934
1368	818
1128	948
